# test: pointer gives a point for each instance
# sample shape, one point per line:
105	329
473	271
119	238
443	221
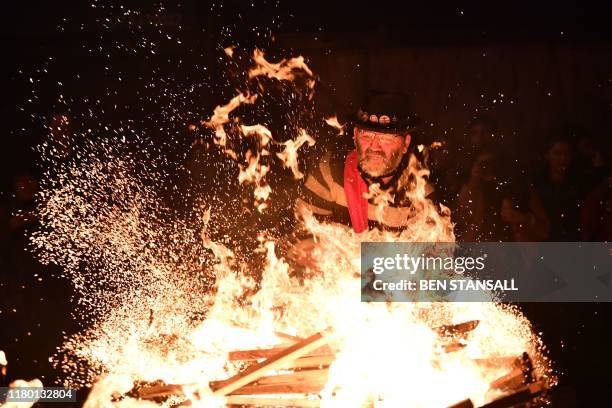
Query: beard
375	163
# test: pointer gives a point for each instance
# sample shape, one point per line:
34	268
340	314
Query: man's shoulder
331	165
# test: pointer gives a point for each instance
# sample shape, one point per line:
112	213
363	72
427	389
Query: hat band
383	119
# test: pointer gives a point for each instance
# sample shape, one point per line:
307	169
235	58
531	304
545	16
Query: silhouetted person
497	205
590	163
558	189
450	173
596	213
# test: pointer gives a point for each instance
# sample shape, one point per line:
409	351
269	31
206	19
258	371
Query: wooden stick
273	363
311	361
449	348
457	329
256	354
495	361
463	404
273	402
513	379
525	394
318	361
288	388
160	391
302	382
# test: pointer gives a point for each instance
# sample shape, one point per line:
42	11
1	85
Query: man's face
380	153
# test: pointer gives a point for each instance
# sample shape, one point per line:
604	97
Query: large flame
384	354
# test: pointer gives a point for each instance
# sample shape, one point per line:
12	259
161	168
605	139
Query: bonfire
286	339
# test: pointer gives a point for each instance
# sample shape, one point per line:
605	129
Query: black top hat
385	112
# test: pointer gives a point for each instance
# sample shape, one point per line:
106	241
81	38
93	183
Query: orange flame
283	70
289	155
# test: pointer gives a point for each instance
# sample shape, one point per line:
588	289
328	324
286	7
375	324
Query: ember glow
173	314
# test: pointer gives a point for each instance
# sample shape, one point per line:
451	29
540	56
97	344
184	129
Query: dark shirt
561	203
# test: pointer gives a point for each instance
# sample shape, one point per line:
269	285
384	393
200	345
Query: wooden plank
160	391
449	348
302	382
300	376
311	361
273	402
273	363
254	354
513	379
463	404
457	329
257	354
523	395
294	377
287	388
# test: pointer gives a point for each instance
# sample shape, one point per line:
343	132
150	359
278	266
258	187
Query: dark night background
531	69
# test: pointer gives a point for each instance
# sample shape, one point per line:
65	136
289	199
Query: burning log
300	382
287	357
457	329
522	373
455	335
519	397
308	361
273	363
463	404
158	391
495	361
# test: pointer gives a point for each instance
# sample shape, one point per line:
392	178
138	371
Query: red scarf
354	189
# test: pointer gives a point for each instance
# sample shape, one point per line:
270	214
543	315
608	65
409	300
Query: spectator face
559	157
485	167
380	153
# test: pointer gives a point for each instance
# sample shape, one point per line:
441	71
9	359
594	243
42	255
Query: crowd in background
561	191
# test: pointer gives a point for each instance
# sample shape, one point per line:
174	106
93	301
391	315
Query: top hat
385	113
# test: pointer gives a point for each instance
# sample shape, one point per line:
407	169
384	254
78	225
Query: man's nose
376	142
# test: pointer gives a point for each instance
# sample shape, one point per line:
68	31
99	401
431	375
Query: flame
289	155
229	51
283	70
261	131
221	117
385	354
382	349
333	122
254	172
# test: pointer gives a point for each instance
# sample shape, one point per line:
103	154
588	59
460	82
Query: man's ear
407	144
355	135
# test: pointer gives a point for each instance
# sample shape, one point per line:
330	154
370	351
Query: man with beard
335	190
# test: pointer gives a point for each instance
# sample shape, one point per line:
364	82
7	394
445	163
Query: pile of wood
305	364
